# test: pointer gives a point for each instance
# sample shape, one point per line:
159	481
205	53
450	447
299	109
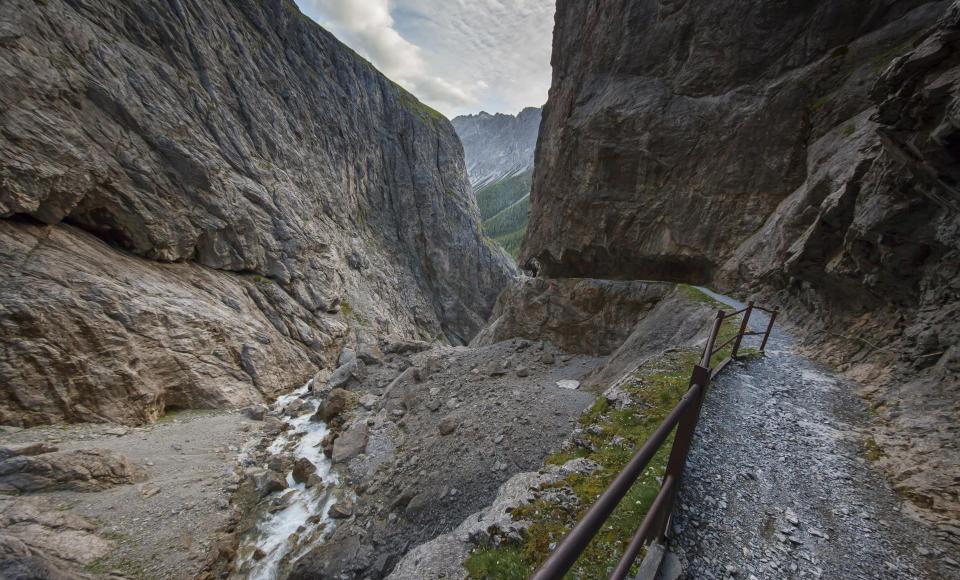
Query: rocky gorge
254	323
202	204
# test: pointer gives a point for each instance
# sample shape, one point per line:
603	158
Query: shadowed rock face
805	153
245	141
674	129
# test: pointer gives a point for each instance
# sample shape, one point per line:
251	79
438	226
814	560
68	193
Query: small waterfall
284	535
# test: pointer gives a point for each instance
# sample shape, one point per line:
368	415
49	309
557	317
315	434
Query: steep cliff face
675	128
290	181
803	153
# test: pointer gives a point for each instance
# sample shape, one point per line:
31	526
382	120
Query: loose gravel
777	484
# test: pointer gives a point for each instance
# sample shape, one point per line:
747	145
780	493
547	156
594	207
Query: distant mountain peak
498	146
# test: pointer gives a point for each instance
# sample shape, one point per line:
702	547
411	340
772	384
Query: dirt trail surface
164	526
778	484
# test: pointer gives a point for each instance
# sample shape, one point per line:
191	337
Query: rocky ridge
498	146
201	201
804	155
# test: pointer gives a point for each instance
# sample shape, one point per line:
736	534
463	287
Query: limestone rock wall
675	128
243	142
498	146
804	153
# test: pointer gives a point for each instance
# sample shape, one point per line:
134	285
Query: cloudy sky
458	56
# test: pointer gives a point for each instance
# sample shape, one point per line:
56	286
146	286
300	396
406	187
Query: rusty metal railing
683	417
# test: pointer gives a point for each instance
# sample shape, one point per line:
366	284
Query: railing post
766	335
682	440
708	348
743	329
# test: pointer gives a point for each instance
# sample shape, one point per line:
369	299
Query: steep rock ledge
805	154
106	336
238	137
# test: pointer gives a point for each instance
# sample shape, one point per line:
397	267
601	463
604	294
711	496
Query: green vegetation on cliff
503	208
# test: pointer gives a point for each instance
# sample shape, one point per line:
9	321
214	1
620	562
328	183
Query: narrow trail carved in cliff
778	484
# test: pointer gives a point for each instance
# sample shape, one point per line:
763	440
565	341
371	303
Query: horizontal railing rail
682	419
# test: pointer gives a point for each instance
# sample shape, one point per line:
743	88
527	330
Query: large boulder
578	315
303	468
350	443
78	470
401	393
334	404
39	541
350	373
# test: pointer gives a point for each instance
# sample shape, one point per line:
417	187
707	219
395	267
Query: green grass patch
872	450
498	196
506	563
66	506
414	105
610	438
819	104
694	295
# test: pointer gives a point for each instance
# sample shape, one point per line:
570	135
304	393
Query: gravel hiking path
778	486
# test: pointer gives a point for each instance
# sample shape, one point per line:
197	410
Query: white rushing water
278	535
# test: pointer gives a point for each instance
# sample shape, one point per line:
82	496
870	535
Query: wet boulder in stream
303	468
333	406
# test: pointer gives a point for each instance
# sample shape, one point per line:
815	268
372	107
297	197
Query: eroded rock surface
805	154
39	541
865	257
578	315
81	470
91	333
647	161
296	182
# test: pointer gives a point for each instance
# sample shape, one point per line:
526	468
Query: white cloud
456	55
367	26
